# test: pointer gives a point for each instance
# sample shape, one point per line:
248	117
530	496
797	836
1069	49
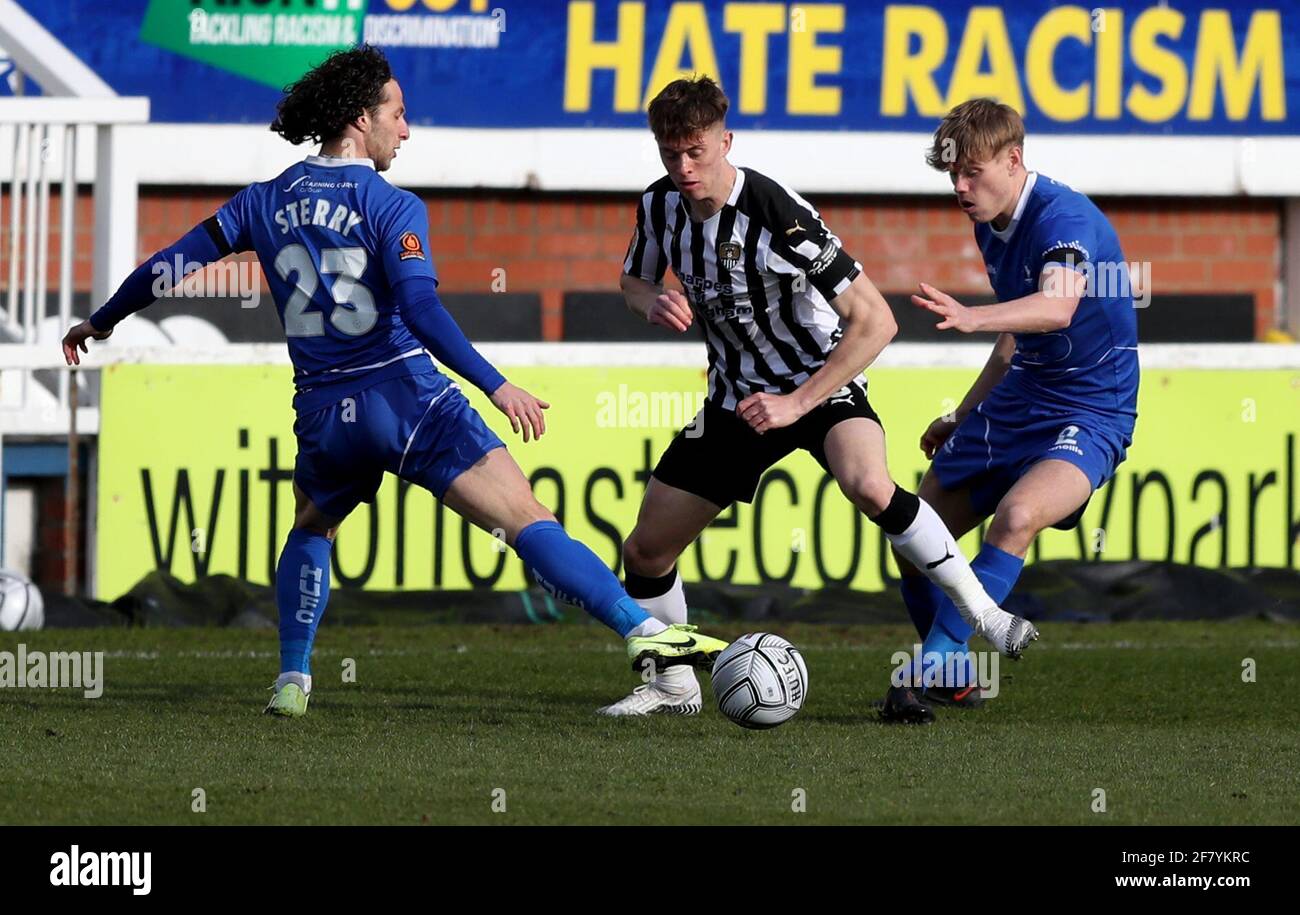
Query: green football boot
678	644
289	701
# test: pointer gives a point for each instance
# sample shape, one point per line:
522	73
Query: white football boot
1010	634
673	691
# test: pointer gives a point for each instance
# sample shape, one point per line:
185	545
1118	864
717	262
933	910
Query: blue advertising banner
1138	66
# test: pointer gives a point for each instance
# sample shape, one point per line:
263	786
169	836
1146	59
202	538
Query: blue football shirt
334	238
1091	366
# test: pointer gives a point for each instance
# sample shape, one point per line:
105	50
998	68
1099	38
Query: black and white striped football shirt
759	274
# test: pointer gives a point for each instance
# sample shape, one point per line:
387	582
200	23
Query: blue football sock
302	586
997	571
573	573
921	597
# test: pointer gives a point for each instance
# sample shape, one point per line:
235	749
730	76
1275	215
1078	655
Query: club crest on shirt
729	254
411	247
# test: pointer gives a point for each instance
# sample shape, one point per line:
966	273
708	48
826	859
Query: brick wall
552	243
1193	246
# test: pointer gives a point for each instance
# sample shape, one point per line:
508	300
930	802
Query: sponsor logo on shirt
308	181
1074	245
700	285
724	313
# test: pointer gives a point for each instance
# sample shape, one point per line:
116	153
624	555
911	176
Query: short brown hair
687	107
975	131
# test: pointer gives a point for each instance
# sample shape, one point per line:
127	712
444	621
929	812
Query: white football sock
650	626
928	545
676	679
670	607
303	680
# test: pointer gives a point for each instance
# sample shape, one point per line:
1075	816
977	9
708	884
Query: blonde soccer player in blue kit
1050	417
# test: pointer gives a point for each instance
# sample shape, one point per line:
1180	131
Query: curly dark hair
332	95
687	107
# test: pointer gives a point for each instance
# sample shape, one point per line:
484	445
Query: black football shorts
719	457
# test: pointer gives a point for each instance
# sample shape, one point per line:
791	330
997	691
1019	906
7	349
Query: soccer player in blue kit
1049	418
346	256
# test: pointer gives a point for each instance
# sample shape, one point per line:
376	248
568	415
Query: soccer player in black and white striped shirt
790	322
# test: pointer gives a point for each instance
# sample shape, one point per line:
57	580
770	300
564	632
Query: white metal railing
27	250
70	134
45	142
972	356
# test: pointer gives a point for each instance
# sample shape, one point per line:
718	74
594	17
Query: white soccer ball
21	606
760	680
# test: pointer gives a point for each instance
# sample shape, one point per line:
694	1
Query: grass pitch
444	720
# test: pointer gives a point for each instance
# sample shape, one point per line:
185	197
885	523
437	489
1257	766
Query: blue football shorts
419	427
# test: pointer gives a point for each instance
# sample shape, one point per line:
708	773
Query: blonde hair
975	131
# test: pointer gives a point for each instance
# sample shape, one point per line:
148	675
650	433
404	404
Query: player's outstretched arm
147	283
1049	309
868	324
655	304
